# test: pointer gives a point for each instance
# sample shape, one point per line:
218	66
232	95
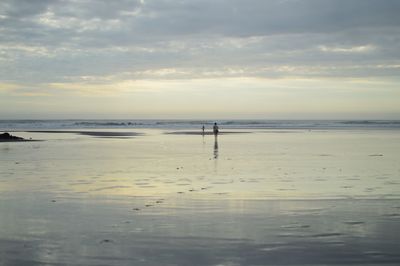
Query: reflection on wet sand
216	147
184	231
159	200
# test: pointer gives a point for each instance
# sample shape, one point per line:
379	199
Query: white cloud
352	49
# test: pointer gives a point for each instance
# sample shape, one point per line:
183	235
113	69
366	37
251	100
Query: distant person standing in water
203	128
215	129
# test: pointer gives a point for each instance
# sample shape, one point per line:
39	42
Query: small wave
99	124
239	122
372	122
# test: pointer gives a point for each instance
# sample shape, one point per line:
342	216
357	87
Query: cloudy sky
289	59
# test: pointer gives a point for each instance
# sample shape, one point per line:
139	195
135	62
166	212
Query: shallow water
269	197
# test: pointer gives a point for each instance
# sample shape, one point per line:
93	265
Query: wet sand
306	198
89	133
182	231
207	133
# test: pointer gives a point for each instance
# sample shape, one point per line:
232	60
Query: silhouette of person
215	129
203	128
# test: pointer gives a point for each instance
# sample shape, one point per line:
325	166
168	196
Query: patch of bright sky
207	98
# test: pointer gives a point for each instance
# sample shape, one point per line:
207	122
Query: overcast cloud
47	42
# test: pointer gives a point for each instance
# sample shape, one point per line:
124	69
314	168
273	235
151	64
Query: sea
17	125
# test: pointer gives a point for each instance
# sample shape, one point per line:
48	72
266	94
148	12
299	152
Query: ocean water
12	125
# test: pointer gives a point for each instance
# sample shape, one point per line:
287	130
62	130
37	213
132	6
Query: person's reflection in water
215	147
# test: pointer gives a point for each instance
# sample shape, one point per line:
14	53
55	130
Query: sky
276	59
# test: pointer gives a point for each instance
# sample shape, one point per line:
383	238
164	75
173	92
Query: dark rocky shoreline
7	137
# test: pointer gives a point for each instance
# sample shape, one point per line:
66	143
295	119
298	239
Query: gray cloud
56	41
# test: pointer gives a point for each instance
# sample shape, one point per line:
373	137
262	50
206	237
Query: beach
199	133
169	195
